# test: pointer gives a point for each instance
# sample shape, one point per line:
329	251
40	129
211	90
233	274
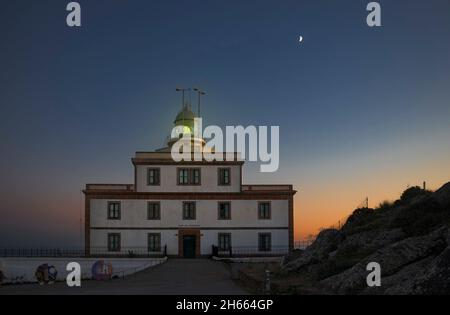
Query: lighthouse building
187	209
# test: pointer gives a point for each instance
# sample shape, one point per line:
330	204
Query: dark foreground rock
326	242
409	238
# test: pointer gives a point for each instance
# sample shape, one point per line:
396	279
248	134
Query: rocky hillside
409	238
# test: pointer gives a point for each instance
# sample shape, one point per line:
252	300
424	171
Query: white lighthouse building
187	209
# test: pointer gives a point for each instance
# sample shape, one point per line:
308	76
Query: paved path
176	276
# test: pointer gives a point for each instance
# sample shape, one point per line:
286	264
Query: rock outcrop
410	239
326	242
392	259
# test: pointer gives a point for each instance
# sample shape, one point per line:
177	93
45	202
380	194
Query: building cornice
149	161
165	158
249	195
176	228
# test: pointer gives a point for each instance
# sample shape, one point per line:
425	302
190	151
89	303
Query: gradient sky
362	111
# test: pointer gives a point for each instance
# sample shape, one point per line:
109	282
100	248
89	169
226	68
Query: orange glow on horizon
314	210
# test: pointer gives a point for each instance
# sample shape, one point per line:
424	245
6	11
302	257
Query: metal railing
127	187
266	187
302	244
128	252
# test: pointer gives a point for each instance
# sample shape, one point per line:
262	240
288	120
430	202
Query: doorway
189	246
189	243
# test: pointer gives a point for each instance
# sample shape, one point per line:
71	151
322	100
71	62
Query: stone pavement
176	276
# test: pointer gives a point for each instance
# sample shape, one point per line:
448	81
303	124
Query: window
113	242
183	176
264	210
154	242
224	210
224	176
188	210
189	176
153	176
265	242
195	177
153	211
113	210
224	241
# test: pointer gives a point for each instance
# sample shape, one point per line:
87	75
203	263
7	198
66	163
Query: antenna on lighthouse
190	97
200	93
182	90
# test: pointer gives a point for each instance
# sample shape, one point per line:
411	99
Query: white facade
244	214
173	208
169	179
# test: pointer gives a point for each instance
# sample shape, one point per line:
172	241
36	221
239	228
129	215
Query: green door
189	246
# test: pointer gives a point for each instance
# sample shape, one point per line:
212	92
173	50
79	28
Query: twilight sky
362	111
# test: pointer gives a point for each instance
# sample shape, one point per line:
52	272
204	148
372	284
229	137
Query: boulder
369	241
326	242
391	258
429	276
442	195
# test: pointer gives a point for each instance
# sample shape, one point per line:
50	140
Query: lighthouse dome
184	115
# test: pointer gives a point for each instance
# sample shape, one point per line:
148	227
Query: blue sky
356	106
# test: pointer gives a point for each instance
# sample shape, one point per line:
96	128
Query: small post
267	288
215	251
231	251
200	93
